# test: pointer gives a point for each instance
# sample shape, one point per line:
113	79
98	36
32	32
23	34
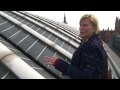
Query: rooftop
30	38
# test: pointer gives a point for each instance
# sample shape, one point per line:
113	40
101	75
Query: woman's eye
85	25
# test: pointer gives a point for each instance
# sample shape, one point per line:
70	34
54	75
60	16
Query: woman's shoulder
95	42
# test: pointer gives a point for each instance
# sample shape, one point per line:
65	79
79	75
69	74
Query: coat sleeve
89	68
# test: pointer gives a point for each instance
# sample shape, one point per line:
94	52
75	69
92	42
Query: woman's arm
89	68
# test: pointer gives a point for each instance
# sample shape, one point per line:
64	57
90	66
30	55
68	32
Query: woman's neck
87	38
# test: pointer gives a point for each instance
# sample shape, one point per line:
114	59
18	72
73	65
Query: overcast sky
106	18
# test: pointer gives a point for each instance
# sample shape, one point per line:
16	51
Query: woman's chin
81	36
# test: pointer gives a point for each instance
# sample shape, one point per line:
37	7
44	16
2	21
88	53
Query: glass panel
3	70
5	26
66	46
29	24
46	34
48	52
19	19
14	16
10	31
59	42
40	31
72	50
19	36
2	20
52	38
24	22
36	49
35	27
25	44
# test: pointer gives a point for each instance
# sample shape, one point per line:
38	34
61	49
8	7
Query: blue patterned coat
89	61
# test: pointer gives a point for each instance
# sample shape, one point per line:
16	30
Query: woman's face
86	28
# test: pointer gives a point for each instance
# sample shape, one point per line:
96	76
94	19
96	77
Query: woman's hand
50	60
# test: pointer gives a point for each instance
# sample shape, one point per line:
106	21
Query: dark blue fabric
87	61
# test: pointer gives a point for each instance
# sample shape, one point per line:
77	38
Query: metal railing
112	65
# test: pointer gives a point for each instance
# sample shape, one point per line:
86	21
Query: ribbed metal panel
31	46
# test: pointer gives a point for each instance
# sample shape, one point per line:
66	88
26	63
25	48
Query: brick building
117	25
107	34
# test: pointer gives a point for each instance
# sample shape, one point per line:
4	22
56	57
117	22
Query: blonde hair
93	21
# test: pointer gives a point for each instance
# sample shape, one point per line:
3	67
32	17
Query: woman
89	61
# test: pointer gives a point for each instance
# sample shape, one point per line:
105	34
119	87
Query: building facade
111	37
